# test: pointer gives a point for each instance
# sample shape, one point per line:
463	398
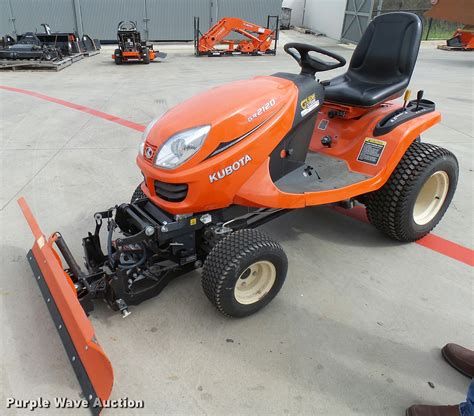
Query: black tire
230	262
118	57
146	56
392	208
138	194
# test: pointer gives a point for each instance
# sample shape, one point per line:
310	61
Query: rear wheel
244	272
417	194
146	56
138	194
118	56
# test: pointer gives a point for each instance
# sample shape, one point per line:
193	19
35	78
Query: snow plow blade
91	365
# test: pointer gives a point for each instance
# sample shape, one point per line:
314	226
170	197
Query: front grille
172	192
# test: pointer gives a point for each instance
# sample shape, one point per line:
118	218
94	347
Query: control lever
419	96
405	99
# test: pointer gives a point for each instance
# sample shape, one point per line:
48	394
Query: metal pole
379	7
78	17
146	20
429	28
211	6
214	12
12	17
304	11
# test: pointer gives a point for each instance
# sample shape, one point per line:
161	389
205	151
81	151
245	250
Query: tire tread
226	256
388	206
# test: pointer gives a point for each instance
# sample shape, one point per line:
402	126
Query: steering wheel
310	65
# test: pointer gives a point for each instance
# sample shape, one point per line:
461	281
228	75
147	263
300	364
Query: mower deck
319	173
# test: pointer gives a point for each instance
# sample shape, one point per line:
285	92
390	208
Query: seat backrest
388	49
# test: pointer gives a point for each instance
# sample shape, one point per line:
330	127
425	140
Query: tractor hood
232	111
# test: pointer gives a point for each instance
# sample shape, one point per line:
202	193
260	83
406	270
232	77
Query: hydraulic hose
111	256
138	263
111	227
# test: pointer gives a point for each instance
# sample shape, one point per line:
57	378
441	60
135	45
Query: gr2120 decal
262	109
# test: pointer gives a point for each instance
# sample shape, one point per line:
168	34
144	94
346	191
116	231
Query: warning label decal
371	151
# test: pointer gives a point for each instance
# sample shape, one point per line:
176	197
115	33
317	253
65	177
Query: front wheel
244	272
118	56
146	56
417	194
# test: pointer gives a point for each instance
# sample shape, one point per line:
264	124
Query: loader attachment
91	365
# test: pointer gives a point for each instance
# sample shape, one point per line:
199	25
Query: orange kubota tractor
258	39
222	163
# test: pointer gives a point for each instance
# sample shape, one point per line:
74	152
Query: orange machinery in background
458	11
257	40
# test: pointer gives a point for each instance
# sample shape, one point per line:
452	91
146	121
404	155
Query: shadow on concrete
322	223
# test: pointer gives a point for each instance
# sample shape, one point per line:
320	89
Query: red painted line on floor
448	248
431	241
78	107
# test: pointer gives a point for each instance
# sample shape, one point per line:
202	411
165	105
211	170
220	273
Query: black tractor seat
382	63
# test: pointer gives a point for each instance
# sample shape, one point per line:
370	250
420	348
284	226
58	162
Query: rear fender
92	367
404	136
349	137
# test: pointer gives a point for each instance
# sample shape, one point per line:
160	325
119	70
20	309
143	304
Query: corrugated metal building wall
6	24
100	17
159	19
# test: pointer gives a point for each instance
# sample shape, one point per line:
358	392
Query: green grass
440	29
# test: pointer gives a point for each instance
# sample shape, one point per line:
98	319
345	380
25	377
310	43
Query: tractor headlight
180	147
145	134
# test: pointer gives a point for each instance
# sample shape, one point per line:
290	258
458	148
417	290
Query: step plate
328	173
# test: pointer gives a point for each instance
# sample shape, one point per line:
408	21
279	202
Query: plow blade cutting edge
91	365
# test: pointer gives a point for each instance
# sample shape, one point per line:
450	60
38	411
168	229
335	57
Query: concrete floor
357	327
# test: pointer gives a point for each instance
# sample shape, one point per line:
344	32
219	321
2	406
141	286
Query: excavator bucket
91	365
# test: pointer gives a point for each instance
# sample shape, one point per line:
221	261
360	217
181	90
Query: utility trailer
462	40
460	11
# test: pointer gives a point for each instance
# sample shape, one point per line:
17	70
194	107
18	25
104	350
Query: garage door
357	17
